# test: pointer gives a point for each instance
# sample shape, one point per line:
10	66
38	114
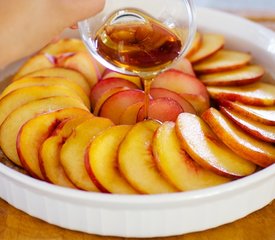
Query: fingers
80	9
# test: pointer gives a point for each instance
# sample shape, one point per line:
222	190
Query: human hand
28	25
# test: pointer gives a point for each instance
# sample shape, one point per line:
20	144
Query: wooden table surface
260	225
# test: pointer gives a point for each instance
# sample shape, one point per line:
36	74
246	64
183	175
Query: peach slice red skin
162	92
112	74
222	60
37	62
258	152
210	44
189	87
35	132
22	96
103	170
198	140
18	117
100	101
176	165
265	115
106	84
136	162
180	82
73	151
115	105
253	128
69	74
49	151
238	77
161	109
257	94
185	66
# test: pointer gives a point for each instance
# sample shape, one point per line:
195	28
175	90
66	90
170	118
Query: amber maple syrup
139	44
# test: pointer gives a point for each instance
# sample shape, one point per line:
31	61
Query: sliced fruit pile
48	129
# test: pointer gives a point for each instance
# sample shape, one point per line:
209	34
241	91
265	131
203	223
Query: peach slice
49	152
221	61
35	63
258	152
242	76
179	82
112	74
162	92
115	105
34	132
129	116
107	84
70	75
161	109
196	44
192	89
176	165
15	120
199	102
185	66
206	149
136	162
81	62
47	81
265	115
73	152
258	94
64	46
101	161
252	127
210	44
105	96
21	96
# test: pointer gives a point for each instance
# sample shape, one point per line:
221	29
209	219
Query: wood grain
16	225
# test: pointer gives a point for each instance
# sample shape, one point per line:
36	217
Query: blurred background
262	11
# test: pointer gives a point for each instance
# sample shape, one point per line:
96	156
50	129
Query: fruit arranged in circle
186	146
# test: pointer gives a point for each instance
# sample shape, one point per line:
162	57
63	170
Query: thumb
81	9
